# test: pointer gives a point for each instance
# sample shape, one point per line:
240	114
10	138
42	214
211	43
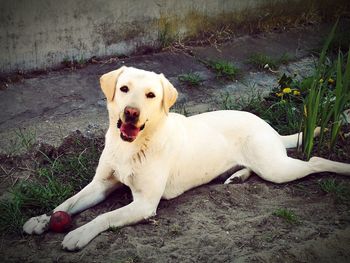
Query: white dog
161	155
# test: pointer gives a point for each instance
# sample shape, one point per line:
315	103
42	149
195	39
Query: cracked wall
36	35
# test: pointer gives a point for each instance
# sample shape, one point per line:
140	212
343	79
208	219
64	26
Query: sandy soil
212	223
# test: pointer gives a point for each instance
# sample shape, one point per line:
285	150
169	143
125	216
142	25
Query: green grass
331	186
260	60
23	141
175	230
114	229
190	79
223	69
53	180
288	215
324	104
165	37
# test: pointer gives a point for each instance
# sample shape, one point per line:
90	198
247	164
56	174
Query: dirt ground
212	223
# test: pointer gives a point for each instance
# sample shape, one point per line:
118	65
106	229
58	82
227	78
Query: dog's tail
292	141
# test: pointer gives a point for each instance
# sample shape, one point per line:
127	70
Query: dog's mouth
128	130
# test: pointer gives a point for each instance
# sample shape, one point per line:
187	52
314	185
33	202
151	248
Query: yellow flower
321	80
296	92
330	81
287	90
279	94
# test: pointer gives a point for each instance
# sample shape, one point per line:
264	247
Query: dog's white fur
173	154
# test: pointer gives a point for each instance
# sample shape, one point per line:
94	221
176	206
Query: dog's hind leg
266	156
239	177
286	169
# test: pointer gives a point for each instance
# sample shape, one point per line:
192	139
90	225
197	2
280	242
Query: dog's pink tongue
129	129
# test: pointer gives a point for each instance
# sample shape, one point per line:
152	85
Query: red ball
60	221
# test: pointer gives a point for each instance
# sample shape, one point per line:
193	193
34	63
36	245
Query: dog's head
136	99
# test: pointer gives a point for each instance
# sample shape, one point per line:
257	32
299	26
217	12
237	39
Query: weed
261	60
11	216
190	79
24	141
223	69
164	36
287	215
81	60
114	229
332	186
130	259
175	230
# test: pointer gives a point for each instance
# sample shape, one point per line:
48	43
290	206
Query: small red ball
60	221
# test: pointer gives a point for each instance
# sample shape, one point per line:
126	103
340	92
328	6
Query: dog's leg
147	189
286	169
102	184
239	177
134	212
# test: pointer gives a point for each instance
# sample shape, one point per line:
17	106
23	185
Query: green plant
114	229
165	38
287	215
332	186
191	79
223	69
23	141
261	60
175	230
81	60
324	105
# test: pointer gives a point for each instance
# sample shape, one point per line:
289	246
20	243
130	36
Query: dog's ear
169	93
108	82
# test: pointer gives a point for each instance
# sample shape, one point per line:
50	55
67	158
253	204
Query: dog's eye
124	89
150	95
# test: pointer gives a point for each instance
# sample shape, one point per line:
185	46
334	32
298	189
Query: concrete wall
40	34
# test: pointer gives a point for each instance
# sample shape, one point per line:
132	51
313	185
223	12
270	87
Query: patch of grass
11	216
114	229
262	61
175	230
286	214
130	259
165	37
332	186
223	69
55	178
190	79
24	141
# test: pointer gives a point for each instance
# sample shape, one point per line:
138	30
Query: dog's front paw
79	238
37	225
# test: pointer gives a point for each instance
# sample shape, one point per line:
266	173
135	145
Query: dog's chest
127	165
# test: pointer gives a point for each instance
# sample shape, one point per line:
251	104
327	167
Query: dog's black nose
131	114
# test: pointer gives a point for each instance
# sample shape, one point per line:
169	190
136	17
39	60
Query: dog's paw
79	238
238	177
37	225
